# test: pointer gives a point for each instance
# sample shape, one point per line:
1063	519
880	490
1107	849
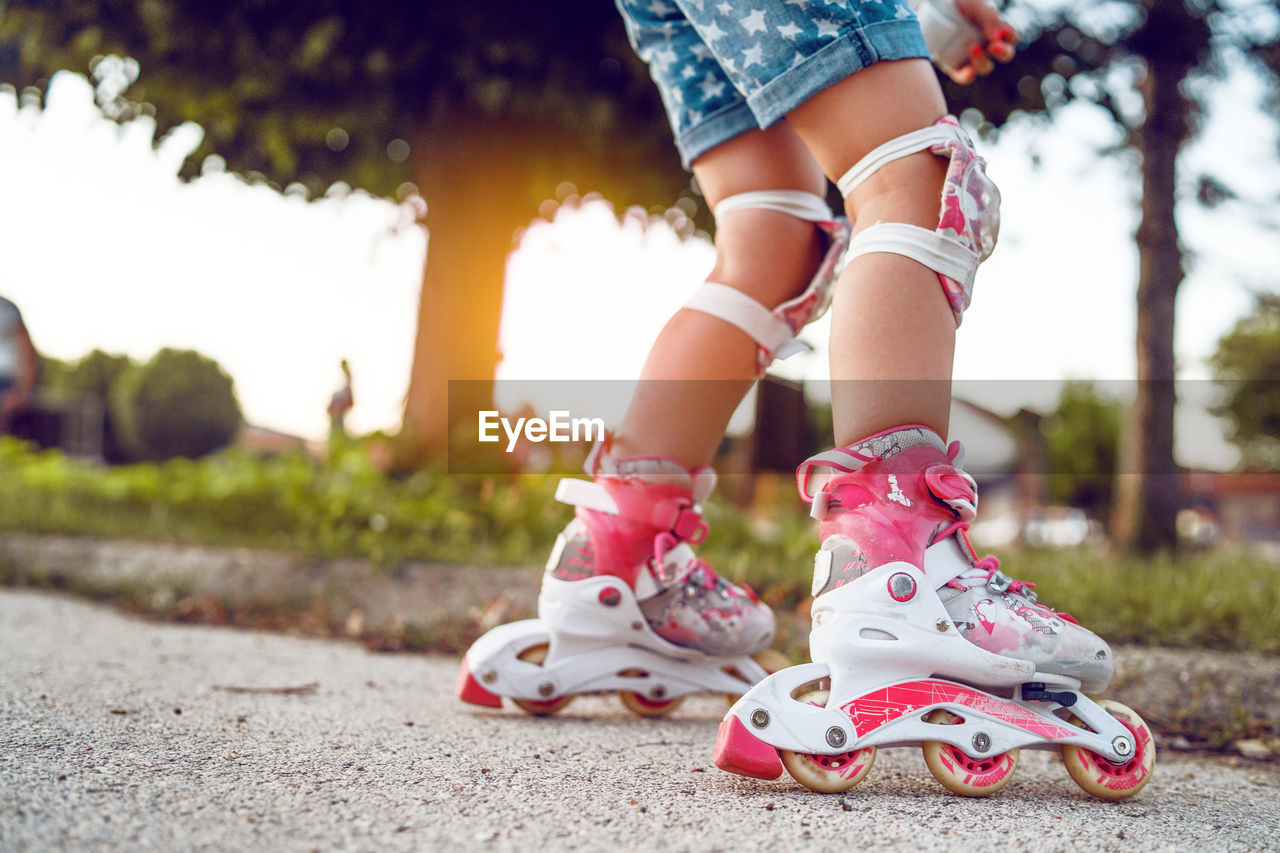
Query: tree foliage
1082	440
336	90
1246	365
483	108
177	404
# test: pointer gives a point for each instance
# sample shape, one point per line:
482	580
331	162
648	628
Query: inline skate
916	641
625	604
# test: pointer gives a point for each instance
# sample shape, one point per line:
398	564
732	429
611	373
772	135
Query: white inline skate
625	605
915	641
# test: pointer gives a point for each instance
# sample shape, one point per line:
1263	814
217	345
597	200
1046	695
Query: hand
1001	38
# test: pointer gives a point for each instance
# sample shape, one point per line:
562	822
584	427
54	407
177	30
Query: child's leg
892	331
701	366
901	490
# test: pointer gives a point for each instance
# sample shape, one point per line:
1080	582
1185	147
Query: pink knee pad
968	222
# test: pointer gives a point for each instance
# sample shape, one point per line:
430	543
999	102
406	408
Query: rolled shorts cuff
856	50
717	128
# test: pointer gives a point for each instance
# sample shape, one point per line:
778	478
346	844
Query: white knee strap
968	223
775	330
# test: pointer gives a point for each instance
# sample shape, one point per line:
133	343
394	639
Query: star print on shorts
725	67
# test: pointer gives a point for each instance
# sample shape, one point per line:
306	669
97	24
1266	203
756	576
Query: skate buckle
999	583
687	525
1036	691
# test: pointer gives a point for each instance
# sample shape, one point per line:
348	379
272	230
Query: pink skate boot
901	495
626	606
917	641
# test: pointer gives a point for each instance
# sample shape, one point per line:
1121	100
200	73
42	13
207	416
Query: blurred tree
1247	366
93	374
177	404
483	108
1142	62
1082	441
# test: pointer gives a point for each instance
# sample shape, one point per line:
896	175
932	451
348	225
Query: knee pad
775	329
968	223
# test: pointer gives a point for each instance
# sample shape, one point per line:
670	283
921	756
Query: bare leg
700	367
892	331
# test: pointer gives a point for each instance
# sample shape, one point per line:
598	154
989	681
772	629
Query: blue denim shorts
724	67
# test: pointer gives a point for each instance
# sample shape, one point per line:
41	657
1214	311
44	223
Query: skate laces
987	570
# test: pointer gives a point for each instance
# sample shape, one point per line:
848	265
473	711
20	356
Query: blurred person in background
18	366
340	405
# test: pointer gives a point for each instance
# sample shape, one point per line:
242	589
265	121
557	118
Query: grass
1227	600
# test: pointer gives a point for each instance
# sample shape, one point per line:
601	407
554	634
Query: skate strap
676	515
586	494
600	462
797	203
852	457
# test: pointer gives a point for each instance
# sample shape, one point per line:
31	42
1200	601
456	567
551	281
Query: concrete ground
122	734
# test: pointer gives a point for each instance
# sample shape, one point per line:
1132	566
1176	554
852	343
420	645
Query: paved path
117	733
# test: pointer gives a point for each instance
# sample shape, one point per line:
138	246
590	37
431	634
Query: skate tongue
672	561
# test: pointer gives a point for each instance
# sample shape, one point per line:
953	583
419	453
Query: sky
103	247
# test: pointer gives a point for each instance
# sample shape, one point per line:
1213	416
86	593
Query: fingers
1000	41
980	61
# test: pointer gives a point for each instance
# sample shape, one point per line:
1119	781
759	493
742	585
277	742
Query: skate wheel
1103	779
969	777
643	706
539	708
826	774
829	774
769	660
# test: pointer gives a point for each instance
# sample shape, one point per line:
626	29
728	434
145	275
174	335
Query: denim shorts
724	67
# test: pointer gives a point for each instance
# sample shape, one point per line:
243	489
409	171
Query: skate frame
598	641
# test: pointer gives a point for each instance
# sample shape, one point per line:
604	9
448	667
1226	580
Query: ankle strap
677	515
852	457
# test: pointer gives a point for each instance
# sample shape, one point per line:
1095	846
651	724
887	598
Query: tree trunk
1148	491
476	185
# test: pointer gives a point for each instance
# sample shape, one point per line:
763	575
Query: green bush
177	404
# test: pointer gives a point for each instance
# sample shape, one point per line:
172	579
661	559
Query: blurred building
1232	507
